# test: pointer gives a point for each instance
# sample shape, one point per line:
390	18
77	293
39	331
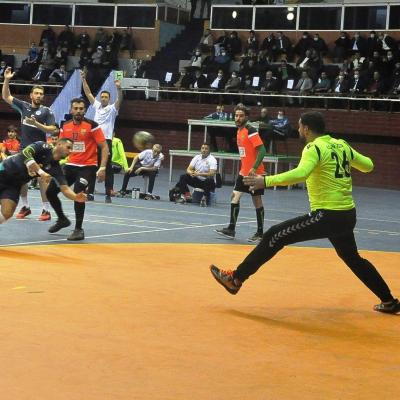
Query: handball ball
143	140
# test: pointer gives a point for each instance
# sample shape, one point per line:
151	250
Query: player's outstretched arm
86	88
5	91
117	104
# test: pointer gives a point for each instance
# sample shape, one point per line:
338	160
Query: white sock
46	206
24	201
2	219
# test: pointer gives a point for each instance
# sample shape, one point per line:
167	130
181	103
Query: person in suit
358	44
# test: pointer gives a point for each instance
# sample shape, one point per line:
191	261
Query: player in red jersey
81	166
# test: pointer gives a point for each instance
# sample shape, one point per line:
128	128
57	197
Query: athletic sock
260	219
46	206
2	219
24	201
79	214
235	208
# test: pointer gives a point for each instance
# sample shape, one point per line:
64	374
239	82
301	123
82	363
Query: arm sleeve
309	160
50	120
193	162
34	149
17	105
213	164
261	152
360	162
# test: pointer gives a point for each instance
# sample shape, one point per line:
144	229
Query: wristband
30	162
40	172
101	169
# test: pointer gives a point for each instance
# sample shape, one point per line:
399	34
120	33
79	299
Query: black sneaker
256	238
90	197
226	279
77	234
121	193
392	307
226	232
108	200
60	223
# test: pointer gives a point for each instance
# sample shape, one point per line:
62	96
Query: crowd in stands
357	66
46	62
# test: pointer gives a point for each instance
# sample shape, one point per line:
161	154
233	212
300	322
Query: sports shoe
23	212
77	234
226	279
60	223
256	238
108	200
180	200
90	197
203	202
226	232
392	307
44	216
121	193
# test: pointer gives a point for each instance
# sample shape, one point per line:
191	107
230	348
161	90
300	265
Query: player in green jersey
326	167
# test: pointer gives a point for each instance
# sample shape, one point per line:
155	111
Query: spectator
268	47
319	45
3	67
199	174
357	85
42	74
97	57
304	85
127	42
101	38
271	83
196	61
222	60
11	145
110	59
59	75
85	59
233	83
60	56
222	41
66	39
342	46
115	41
303	45
252	42
377	86
146	163
283	46
218	83
373	44
340	85
83	41
386	42
30	64
206	43
323	84
278	128
49	36
358	44
199	81
234	47
285	73
184	81
357	61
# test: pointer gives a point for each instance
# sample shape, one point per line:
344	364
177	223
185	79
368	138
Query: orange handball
143	140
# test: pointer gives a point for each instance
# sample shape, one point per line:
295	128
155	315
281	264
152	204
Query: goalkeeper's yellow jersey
326	165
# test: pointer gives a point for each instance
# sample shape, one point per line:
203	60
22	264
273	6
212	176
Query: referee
326	167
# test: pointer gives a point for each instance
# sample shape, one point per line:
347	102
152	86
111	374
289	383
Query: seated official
278	128
146	163
199	174
215	131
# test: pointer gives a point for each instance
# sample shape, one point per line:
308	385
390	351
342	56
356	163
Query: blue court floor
139	221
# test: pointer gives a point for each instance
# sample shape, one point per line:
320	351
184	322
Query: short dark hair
12	128
37	87
315	121
206	144
77	100
105	91
242	107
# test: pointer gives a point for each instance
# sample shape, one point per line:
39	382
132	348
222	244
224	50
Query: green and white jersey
326	165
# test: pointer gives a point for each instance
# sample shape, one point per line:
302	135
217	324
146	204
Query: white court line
120	234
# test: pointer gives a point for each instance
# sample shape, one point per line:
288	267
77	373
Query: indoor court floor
134	313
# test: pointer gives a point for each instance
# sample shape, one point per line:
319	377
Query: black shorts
241	187
9	189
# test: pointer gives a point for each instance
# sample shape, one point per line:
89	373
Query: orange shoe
45	216
23	212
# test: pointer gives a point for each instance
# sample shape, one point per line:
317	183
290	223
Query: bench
275	160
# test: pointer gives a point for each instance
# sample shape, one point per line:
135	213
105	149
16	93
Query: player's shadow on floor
336	319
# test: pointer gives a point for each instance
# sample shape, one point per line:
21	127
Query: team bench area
274	160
